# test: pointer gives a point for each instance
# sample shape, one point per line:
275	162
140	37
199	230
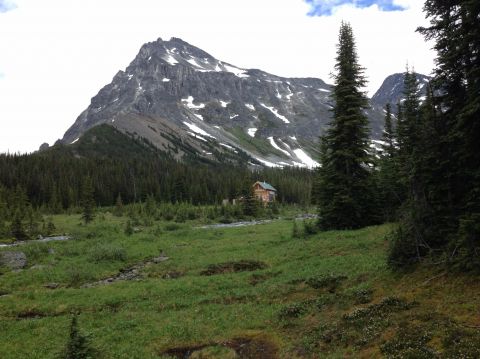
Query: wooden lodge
264	192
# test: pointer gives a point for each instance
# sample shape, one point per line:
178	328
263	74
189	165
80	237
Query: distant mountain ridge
186	102
392	87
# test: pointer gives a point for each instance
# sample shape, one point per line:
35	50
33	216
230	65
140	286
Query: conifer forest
111	247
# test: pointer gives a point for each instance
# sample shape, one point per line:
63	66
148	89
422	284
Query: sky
55	55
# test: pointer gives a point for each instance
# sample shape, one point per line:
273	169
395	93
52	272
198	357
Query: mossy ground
327	296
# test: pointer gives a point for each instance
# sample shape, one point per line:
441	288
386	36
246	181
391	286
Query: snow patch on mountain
274	145
196	135
268	163
252	131
197	130
306	159
189	103
275	112
170	59
235	70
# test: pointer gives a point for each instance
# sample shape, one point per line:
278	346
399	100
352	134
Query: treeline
426	177
116	165
438	156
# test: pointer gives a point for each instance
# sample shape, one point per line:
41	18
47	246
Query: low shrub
108	252
330	282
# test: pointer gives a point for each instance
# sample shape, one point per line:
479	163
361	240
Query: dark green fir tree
78	346
454	183
118	210
390	189
388	137
88	201
344	188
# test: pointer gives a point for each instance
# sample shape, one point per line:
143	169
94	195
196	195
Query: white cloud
57	54
6	5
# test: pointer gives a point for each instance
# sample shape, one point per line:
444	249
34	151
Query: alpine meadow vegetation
112	248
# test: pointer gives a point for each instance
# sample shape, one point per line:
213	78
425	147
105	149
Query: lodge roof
266	186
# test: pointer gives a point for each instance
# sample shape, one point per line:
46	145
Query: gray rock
160	259
38	266
391	90
13	260
173	89
43	147
51	285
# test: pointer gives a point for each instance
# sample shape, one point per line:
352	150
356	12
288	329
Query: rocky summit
184	101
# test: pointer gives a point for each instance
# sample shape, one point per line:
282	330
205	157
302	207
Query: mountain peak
391	90
185	101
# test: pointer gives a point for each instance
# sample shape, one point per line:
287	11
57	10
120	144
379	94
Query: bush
170	227
295	310
108	252
330	282
467	244
310	228
36	251
295	231
129	228
77	276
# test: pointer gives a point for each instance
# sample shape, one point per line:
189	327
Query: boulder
13	260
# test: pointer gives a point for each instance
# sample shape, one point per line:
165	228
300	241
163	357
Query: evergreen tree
88	201
388	137
150	206
251	204
410	242
78	346
344	188
295	231
118	211
17	228
444	163
390	190
455	27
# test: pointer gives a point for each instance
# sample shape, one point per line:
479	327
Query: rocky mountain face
391	90
185	101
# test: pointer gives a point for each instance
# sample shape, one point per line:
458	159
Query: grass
328	296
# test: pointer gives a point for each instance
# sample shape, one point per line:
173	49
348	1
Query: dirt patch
34	313
252	348
243	348
233	267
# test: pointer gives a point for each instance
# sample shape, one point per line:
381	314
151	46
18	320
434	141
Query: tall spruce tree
442	154
454	27
88	201
410	242
343	188
78	345
390	190
388	137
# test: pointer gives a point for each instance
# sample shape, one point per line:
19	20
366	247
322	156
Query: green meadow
244	292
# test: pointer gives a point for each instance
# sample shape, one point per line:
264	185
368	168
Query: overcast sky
55	55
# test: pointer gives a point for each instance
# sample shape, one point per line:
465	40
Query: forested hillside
117	164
